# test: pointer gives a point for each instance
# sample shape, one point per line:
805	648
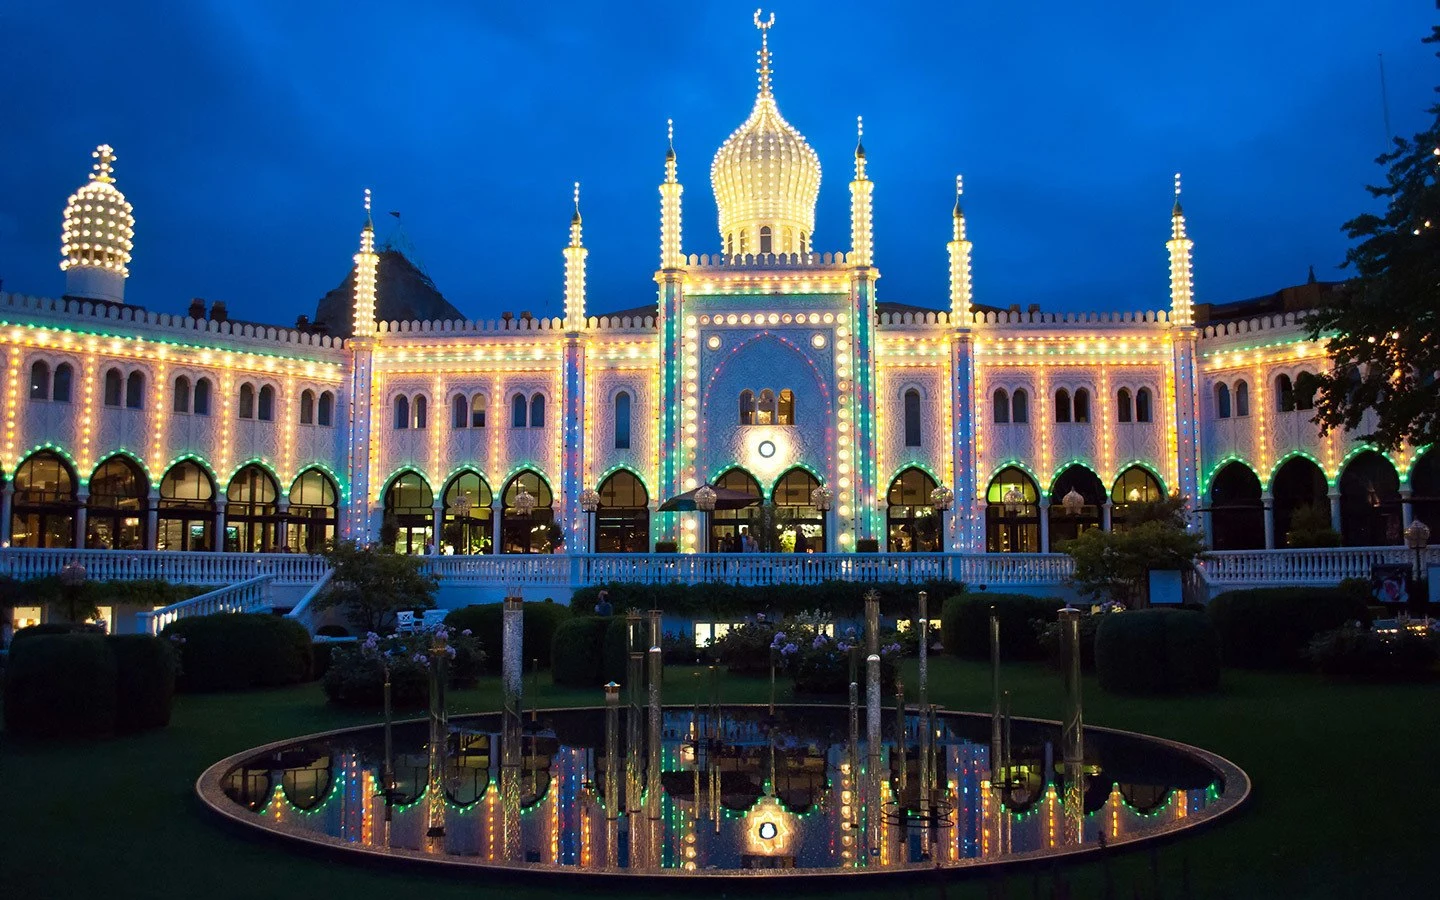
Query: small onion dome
99	224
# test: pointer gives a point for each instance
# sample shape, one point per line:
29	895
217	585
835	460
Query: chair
433	619
405	622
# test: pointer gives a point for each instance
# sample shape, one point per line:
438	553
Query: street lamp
1417	538
822	498
590	501
705	502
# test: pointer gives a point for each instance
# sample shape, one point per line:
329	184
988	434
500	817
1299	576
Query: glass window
766	241
1135	485
1142	405
420	404
765	408
912	418
265	409
1020	407
114	386
1123	405
409	510
247	401
252	516
1000	407
1222	400
314	510
537	411
785	412
1012	513
307	407
460	412
912	525
325	415
520	533
622	522
42	513
1062	405
64	377
186	509
40	380
135	391
1082	405
202	397
477	411
518	411
182	395
1285	394
799	524
728	527
402	412
747	408
622	421
1242	398
1064	524
468	516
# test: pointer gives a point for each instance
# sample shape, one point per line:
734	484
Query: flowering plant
356	676
821	664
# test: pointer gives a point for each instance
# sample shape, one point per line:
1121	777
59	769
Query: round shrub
144	681
233	651
578	651
616	651
1157	651
486	622
60	685
45	628
1271	627
965	624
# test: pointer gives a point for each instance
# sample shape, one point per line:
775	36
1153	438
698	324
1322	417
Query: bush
1351	652
233	651
486	620
965	624
144	680
1271	627
45	628
745	648
1047	635
1159	651
578	651
60	685
821	664
616	652
356	675
1310	527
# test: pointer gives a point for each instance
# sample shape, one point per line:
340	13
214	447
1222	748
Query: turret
575	255
671	256
1182	282
96	240
367	261
959	262
862	234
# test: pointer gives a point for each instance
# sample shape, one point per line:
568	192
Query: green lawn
1344	798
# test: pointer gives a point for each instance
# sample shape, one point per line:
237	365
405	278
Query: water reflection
734	790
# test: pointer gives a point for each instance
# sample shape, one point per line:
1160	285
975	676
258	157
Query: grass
1344	797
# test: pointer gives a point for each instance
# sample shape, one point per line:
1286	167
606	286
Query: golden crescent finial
766	25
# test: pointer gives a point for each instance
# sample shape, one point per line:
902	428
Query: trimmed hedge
1272	627
486	622
61	685
233	651
965	624
578	651
1157	651
838	598
144	681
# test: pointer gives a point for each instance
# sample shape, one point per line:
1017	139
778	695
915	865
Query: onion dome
766	177
99	226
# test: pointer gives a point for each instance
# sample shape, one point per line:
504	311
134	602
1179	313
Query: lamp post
1417	538
823	498
590	501
705	502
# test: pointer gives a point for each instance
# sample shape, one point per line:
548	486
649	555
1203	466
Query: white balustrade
1321	566
249	595
304	612
174	566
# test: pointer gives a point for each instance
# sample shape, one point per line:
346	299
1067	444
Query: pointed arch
1237	511
1012	512
118	505
409	514
467	499
1370	510
314	511
532	533
252	513
1000	407
730	527
1297	483
42	511
912	525
1065	525
1135	485
622	521
186	508
801	525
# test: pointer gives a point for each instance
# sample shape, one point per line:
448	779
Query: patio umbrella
724	499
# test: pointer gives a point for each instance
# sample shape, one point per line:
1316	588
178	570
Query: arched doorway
1425	490
728	526
1370	502
1065	525
1237	514
520	533
911	524
118	506
43	510
410	513
622	522
1012	513
1135	486
468	516
800	525
252	513
1297	484
314	509
186	509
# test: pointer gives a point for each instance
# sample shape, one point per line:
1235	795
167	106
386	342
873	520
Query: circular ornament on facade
713	342
818	342
766	449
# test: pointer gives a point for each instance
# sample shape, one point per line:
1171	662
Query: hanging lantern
1073	503
524	502
942	498
821	498
589	500
705	498
1014	498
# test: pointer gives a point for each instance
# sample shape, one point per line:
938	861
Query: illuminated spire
575	272
859	147
367	263
96	240
670	191
862	229
959	262
1182	280
764	69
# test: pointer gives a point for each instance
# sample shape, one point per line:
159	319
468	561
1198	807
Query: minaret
1183	342
861	209
96	240
367	263
361	400
1181	277
575	272
670	191
670	300
959	262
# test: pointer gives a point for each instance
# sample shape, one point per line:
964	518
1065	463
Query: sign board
1390	582
1166	588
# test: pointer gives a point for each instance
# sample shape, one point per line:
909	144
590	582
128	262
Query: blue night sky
246	132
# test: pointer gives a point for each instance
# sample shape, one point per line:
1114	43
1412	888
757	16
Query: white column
438	526
220	525
496	507
282	528
1106	509
1269	502
1044	525
1407	508
83	497
7	497
1335	510
152	520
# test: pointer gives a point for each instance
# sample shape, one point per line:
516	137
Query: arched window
1296	485
116	510
1123	405
801	523
622	421
1237	514
420	404
1425	486
265	409
765	408
114	387
1064	524
1012	513
767	244
1134	486
747	408
728	527
912	418
622	522
804	242
1142	405
911	522
43	510
1222	401
409	513
1020	407
1370	502
1284	394
325	414
39	380
182	395
1062	405
537	411
477	411
135	391
789	240
202	397
1000	403
744	242
518	411
186	509
730	244
252	518
64	378
1306	384
1082	405
467	516
247	401
314	510
785	411
460	412
1242	398
531	533
402	412
307	407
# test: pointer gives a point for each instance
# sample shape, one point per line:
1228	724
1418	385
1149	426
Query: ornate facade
767	367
